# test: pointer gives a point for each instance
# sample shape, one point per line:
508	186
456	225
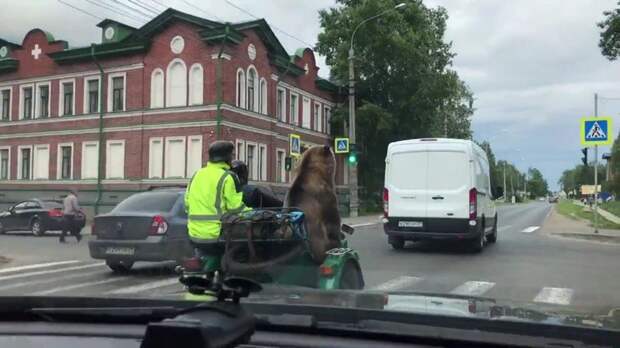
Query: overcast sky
534	66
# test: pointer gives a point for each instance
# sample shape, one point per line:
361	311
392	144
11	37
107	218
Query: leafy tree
614	164
536	184
405	87
610	35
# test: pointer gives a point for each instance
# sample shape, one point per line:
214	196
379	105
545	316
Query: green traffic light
352	158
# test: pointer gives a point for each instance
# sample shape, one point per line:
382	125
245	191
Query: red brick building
152	111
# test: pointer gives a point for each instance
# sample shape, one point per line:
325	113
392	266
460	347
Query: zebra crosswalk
93	278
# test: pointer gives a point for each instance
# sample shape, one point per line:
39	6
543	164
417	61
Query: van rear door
449	181
406	181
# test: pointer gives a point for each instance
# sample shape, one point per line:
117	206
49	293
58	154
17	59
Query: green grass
612	207
573	211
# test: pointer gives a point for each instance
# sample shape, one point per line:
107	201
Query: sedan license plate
410	224
119	251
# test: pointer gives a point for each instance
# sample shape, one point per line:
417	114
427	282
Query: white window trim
189	141
61	97
256	87
87	95
8	173
240	99
59	161
83	169
190	91
303	114
10	89
167	157
110	89
255	164
294	117
263	173
237	154
168	86
152	90
326	122
34	160
263	95
21	100
159	175
282	117
37	106
19	161
283	168
108	160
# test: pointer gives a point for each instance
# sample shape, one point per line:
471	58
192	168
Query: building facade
141	107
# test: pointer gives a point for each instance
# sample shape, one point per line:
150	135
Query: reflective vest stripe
218	195
204	217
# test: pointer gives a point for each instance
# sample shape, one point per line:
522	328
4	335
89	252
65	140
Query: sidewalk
373	218
604	213
560	225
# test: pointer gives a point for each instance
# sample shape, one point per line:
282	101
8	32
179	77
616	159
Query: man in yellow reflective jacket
210	194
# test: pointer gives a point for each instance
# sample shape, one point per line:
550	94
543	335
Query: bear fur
313	191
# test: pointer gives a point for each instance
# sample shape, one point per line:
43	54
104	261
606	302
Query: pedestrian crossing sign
295	145
596	131
341	145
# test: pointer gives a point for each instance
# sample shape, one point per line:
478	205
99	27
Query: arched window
252	96
176	83
240	88
157	88
196	84
262	98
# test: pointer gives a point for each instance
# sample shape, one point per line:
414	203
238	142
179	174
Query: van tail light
192	264
92	229
158	226
473	204
386	201
55	213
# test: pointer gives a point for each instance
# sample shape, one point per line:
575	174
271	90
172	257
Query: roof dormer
113	31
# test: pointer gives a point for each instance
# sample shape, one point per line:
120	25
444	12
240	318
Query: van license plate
410	224
119	251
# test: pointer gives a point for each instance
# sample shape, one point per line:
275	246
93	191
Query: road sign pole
596	169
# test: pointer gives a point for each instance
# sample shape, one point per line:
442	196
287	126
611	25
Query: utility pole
595	170
505	191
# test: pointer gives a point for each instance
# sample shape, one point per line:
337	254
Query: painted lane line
561	296
504	227
50	280
145	286
79	286
399	283
35	266
32	274
530	229
365	224
474	288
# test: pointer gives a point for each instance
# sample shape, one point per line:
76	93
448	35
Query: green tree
609	41
536	184
614	164
405	87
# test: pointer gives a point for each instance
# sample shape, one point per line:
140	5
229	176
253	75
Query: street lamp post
354	199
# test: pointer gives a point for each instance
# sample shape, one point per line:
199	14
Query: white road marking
530	229
52	271
35	266
399	283
145	286
504	227
560	296
50	280
78	286
474	288
365	224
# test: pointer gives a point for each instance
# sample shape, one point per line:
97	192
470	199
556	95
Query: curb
588	237
4	260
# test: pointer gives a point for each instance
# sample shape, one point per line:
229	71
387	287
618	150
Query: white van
438	189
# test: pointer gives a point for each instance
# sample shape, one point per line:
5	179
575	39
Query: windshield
470	148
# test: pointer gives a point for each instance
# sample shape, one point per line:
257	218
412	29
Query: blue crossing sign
596	131
295	145
341	145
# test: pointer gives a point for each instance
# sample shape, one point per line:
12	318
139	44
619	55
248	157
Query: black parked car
147	226
35	215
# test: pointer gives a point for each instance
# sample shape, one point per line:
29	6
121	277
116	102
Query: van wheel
492	238
477	244
396	243
119	266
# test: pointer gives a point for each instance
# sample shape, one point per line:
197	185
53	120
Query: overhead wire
143	6
112	9
164	6
125	6
202	10
80	10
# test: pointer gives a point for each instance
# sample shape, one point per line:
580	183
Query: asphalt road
526	264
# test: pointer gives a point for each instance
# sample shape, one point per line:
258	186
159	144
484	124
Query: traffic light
288	163
352	158
584	159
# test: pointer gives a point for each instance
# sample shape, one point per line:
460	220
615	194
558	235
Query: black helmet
241	170
221	151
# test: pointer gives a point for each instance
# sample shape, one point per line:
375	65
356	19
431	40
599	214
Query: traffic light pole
595	170
353	198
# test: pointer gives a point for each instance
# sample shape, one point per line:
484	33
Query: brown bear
313	191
